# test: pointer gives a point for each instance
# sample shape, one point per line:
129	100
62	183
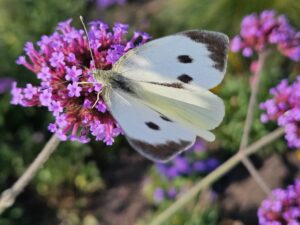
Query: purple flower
74	90
61	121
45	98
87	104
52	127
17	96
191	163
260	31
198	146
236	44
188	163
159	195
63	60
172	192
284	108
73	73
108	3
101	107
212	163
182	165
57	59
44	74
199	166
282	207
30	91
5	84
56	108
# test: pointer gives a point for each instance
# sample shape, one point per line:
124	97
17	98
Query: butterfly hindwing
193	57
148	131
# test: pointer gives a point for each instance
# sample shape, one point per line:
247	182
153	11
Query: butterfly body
159	92
111	80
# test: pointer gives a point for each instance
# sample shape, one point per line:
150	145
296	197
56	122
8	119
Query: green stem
249	121
215	175
253	98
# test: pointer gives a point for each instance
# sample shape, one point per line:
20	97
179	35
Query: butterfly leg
97	100
98	95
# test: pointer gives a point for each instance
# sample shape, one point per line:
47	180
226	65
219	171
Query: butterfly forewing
192	57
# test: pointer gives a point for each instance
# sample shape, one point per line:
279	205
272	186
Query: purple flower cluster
107	3
188	163
282	208
193	162
161	194
60	62
258	31
284	107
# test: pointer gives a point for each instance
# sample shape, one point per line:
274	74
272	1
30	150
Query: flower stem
215	175
248	124
252	101
8	196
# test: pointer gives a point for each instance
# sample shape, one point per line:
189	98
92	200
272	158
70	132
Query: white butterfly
159	92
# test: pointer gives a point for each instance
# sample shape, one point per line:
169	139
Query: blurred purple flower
212	163
159	195
188	163
5	84
282	207
284	108
259	31
62	60
107	3
193	162
199	166
172	192
182	165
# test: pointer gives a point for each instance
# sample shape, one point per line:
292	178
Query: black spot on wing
185	78
165	118
216	43
184	59
152	125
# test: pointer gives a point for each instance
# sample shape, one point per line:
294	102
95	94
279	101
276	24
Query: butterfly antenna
89	43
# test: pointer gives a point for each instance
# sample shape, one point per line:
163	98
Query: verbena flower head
260	31
63	59
282	208
284	108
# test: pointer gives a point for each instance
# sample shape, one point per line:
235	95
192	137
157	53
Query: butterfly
159	92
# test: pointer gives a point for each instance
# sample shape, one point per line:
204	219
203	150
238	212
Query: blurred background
92	184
